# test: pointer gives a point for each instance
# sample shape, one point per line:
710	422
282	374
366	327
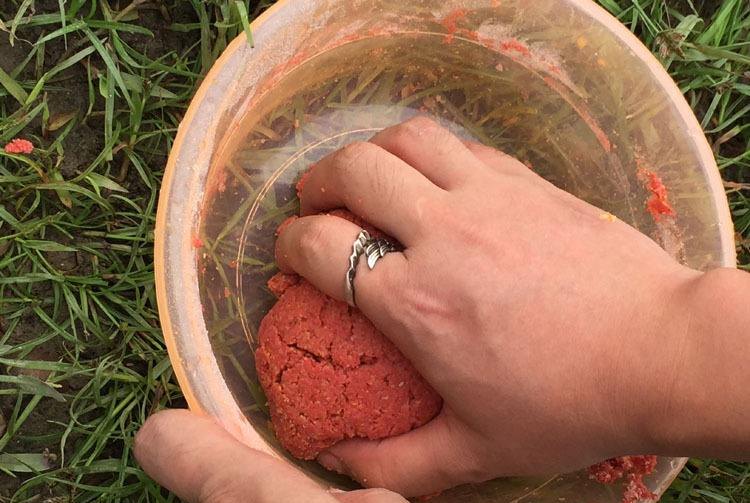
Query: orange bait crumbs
630	468
19	146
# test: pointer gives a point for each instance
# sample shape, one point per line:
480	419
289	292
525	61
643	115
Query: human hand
200	462
535	317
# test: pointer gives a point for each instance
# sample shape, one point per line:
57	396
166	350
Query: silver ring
372	248
375	249
358	248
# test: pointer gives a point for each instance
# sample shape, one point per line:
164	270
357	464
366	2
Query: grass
100	88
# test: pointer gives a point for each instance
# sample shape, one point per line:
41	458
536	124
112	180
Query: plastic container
558	83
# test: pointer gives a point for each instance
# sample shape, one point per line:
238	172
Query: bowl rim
160	227
589	7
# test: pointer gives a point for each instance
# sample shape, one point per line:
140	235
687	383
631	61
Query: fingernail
331	462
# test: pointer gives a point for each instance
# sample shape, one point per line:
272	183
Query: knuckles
423	130
357	155
416	127
312	241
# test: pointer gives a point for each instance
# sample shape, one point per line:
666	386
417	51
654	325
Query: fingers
430	149
394	179
497	160
429	459
373	184
318	248
369	496
196	459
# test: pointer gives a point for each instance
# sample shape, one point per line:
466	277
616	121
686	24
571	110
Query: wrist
640	363
654	359
700	396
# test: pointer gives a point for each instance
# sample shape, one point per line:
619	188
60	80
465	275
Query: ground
100	87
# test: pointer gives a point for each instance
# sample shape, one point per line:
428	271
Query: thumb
429	459
200	462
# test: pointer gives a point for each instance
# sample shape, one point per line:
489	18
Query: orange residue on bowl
658	204
471	35
296	59
197	242
515	45
220	180
450	23
282	69
352	37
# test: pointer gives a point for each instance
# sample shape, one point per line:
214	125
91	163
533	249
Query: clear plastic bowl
558	83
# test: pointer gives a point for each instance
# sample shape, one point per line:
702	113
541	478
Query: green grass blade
242	10
107	57
13	87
